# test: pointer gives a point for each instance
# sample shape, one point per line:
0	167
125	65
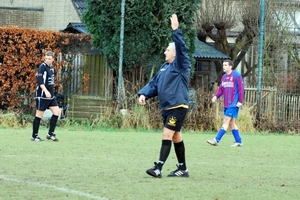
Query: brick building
39	14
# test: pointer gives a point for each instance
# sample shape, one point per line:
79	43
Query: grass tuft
9	119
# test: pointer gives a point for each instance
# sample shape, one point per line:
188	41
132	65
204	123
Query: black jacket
171	82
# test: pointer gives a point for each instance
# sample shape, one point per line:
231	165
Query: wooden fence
101	77
274	106
98	98
100	83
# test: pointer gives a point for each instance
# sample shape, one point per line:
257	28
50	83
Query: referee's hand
174	22
142	100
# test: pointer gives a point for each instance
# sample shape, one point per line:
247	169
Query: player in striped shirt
232	90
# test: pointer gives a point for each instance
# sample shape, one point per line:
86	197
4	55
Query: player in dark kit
45	99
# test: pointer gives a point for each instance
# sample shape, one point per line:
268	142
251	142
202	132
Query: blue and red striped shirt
232	88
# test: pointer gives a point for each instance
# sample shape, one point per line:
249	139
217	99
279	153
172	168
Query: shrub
21	52
9	119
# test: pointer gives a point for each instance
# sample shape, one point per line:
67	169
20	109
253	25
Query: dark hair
49	53
230	63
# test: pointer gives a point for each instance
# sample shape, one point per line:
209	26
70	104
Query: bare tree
223	20
218	17
281	57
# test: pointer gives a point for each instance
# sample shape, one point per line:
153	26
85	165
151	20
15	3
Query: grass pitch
111	165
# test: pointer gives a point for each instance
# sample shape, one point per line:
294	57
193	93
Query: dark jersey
45	75
171	82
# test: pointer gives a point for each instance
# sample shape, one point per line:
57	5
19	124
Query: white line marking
62	189
36	156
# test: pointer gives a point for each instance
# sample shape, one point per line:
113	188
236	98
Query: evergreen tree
147	29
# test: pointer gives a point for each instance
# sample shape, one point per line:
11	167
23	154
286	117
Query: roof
80	28
204	51
75	27
79	6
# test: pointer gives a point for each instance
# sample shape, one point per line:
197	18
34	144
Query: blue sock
236	135
220	134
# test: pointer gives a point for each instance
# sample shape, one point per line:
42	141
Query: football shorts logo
172	121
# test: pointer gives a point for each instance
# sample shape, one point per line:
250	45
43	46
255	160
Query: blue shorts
231	112
173	119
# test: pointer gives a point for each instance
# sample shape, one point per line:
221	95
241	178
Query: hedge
22	51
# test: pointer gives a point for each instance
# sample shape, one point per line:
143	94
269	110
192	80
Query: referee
44	98
170	84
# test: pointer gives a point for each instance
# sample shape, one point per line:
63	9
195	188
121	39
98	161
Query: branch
208	29
249	70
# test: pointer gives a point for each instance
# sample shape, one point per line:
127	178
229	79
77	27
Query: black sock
180	153
35	126
165	150
53	121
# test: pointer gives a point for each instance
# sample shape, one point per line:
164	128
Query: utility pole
120	78
260	59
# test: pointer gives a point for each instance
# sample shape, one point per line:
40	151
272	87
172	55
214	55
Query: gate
100	76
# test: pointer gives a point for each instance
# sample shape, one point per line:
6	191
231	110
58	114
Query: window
202	66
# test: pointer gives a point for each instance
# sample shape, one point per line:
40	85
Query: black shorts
173	119
44	103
